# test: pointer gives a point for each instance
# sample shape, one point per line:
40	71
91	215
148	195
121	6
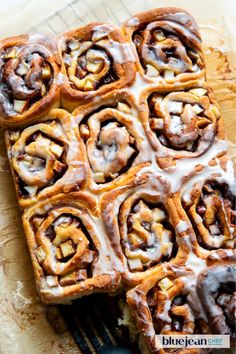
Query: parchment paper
24	324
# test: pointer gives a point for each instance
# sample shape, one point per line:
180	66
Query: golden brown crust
180	124
69	254
46	158
29	68
131	188
101	62
113	141
168	47
164	304
216	289
209	202
140	223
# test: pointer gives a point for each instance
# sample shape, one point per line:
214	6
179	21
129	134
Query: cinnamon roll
132	189
209	202
181	124
140	228
216	288
168	46
114	141
68	249
29	68
45	158
165	303
96	60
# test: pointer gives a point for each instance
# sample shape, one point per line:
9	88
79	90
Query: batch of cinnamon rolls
117	151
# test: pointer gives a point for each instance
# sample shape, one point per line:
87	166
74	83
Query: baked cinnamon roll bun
96	60
181	124
113	139
209	202
216	288
138	222
167	303
168	46
29	68
68	251
45	158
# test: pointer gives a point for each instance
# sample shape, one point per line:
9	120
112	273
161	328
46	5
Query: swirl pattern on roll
216	288
29	68
67	248
96	60
166	304
146	235
212	213
181	124
45	158
140	227
166	47
113	140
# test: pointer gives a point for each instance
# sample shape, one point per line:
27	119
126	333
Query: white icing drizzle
160	181
121	52
182	226
133	22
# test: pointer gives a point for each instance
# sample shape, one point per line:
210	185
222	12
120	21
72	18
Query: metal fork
93	322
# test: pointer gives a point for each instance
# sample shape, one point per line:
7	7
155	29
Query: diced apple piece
94	67
19	106
135	264
189	145
32	190
84	131
89	85
98	35
156	123
11	54
175	107
199	91
67	248
99	177
151	71
215	110
123	107
59	254
113	175
134	240
159	36
43	90
197	109
57	150
214	229
52	281
68	279
74	44
84	46
22	68
158	215
165	284
40	254
169	74
46	72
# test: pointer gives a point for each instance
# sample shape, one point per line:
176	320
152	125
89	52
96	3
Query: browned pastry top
126	183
